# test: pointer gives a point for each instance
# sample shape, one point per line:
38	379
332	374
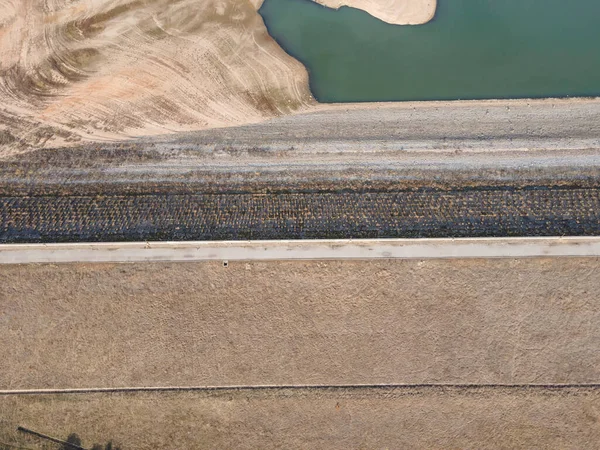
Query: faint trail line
309	387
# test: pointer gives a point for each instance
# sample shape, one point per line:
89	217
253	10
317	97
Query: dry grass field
415	418
300	322
401	12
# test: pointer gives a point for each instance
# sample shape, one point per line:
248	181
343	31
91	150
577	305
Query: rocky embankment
493	169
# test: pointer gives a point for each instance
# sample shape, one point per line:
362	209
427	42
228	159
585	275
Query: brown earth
102	71
405	418
427	327
399	12
519	142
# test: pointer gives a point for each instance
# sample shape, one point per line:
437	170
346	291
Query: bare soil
415	418
400	12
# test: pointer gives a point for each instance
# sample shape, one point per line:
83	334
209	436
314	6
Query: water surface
472	49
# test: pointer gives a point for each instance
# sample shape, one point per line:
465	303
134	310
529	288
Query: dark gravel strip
410	214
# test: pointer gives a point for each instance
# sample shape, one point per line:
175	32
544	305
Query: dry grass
335	419
166	324
314	322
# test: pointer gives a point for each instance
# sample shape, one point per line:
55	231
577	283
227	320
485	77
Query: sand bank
399	12
345	418
105	71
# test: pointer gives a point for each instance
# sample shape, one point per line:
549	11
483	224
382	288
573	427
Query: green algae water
472	49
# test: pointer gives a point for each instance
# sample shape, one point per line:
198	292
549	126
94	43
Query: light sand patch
399	12
460	321
105	69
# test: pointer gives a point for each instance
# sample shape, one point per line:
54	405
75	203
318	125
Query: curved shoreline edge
395	12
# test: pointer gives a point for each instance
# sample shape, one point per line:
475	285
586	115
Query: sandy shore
461	321
106	70
398	12
113	70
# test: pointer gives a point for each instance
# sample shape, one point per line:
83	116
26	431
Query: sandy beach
105	70
397	12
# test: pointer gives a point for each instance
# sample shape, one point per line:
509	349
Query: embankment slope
100	70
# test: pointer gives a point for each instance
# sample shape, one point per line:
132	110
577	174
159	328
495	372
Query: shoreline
330	109
69	119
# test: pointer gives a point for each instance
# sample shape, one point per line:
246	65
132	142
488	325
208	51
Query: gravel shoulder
453	143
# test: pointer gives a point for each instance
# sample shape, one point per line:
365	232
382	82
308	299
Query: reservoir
472	49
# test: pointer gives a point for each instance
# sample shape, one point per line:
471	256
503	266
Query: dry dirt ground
400	12
482	322
97	70
102	69
304	322
405	418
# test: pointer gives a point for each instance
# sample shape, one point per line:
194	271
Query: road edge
528	247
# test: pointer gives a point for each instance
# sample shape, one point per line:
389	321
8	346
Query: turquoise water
472	49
